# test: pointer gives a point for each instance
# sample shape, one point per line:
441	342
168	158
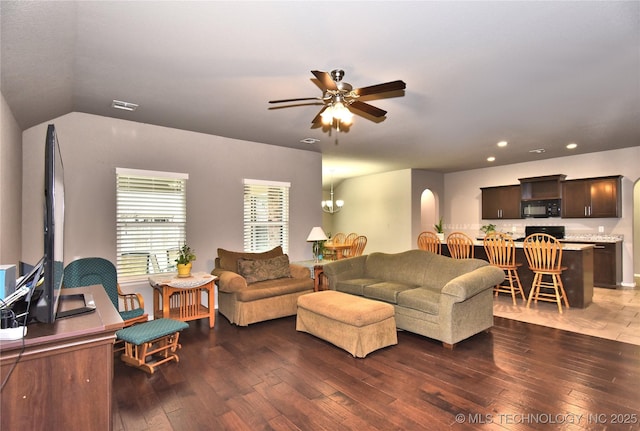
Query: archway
429	210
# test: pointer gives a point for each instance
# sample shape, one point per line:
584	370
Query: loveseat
253	287
436	296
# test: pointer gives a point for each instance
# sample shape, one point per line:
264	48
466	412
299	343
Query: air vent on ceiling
125	106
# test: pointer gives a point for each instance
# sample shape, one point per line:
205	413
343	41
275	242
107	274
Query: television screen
46	305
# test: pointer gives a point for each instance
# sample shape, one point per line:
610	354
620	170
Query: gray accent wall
93	146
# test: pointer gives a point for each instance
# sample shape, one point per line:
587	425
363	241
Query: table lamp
317	235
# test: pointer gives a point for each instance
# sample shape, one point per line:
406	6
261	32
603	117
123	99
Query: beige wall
93	146
10	186
379	207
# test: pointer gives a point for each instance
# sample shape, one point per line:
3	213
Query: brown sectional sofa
253	287
436	296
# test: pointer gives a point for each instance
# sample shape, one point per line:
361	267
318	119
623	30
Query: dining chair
357	246
460	245
501	252
429	241
349	240
544	255
89	271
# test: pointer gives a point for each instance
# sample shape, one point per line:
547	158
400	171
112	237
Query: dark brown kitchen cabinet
607	263
592	197
502	202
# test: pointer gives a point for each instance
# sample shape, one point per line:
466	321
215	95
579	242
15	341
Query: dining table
339	248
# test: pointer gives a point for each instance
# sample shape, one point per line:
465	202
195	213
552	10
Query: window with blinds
266	215
151	221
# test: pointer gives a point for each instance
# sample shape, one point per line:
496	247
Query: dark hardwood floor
269	377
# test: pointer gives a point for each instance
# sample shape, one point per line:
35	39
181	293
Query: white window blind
151	221
266	215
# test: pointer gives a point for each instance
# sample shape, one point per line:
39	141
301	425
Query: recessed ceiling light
502	144
572	145
491	159
537	151
125	106
310	140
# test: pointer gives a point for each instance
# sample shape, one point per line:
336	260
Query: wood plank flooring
267	376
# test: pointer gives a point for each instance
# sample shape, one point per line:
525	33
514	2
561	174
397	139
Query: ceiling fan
338	96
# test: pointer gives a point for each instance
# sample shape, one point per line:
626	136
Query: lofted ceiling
539	75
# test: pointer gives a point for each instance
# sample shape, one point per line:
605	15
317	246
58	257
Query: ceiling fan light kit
339	98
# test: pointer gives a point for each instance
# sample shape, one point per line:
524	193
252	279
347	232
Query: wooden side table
320	281
181	298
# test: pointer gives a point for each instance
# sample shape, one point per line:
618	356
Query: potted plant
439	230
185	256
488	228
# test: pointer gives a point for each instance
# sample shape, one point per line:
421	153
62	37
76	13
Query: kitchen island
577	278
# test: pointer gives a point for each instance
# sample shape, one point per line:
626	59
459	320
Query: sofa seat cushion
255	270
386	291
422	299
355	286
271	288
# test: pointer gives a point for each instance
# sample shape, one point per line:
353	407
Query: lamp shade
317	234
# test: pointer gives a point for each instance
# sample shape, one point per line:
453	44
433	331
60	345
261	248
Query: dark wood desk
62	380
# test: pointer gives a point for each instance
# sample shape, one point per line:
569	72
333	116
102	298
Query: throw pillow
229	259
254	270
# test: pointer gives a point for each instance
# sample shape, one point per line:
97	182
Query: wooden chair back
350	238
543	252
429	241
460	245
357	246
338	238
500	250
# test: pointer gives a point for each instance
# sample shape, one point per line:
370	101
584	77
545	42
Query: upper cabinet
592	197
501	202
541	188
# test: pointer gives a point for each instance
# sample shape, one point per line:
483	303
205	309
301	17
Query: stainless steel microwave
541	208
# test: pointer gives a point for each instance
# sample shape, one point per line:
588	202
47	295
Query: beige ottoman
357	325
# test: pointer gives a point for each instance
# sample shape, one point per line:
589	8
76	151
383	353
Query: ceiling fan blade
369	109
325	79
317	119
294	100
381	88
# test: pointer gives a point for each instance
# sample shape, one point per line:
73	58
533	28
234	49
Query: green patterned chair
96	270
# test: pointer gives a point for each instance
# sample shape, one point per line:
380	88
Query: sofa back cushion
228	260
418	267
255	270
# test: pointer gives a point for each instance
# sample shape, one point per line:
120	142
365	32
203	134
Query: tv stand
71	359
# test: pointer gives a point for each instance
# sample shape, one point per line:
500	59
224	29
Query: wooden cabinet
501	202
607	263
592	197
61	377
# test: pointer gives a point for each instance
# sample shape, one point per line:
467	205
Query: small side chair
96	270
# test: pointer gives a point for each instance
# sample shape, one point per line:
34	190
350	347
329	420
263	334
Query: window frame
151	221
266	222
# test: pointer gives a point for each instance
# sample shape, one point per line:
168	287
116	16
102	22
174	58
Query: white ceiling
537	74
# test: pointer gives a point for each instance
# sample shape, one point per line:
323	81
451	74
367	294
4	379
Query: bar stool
544	254
460	245
429	241
501	252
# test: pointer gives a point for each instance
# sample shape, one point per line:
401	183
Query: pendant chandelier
332	206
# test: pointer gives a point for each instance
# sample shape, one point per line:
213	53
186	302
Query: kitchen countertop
593	238
565	245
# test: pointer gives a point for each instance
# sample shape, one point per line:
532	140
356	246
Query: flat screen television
46	293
